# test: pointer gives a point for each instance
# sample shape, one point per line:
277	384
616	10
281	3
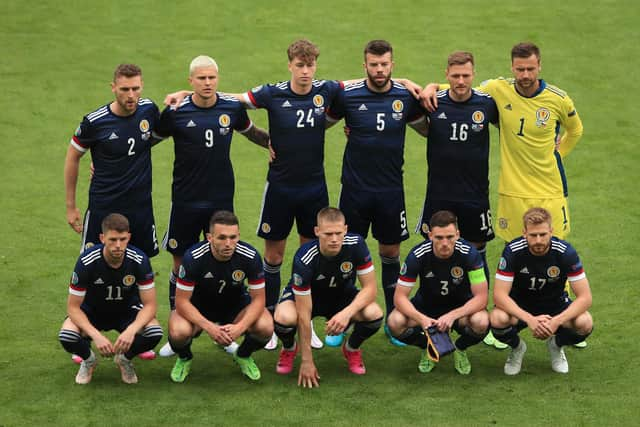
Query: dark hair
330	214
378	48
126	70
116	222
304	50
525	50
443	219
460	58
224	218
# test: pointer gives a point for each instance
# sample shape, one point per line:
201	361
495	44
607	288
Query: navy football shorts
384	211
474	218
282	204
187	225
141	225
108	321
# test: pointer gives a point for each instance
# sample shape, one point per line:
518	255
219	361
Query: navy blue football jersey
443	282
326	279
539	279
202	170
108	290
219	284
374	153
458	147
121	155
296	128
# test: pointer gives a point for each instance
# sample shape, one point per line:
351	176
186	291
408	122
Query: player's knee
68	324
498	318
372	312
286	313
263	326
479	322
274	251
583	324
180	329
396	322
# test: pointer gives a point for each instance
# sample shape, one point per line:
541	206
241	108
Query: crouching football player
211	296
452	294
112	287
530	292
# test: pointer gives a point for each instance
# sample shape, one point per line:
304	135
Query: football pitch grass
58	58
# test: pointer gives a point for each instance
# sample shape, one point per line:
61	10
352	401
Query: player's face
525	71
115	245
378	68
204	81
127	91
223	240
460	78
330	236
302	71
444	240
538	238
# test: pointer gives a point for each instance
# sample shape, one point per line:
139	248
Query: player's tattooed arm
258	136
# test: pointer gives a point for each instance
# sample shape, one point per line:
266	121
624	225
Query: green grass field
57	63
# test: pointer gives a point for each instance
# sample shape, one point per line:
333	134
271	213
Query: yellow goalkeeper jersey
530	165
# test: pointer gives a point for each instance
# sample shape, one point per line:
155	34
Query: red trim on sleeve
77	141
252	99
506	273
77	288
364	266
303	288
576	273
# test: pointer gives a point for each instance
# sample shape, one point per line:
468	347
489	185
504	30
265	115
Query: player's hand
428	97
338	323
539	330
308	375
92	171
347	131
411	86
445	322
427	322
550	326
175	98
74	220
272	153
103	345
233	330
124	341
219	335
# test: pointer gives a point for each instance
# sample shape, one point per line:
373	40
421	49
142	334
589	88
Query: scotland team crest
542	117
238	275
318	100
144	125
224	120
457	272
346	267
553	272
397	106
477	116
129	280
